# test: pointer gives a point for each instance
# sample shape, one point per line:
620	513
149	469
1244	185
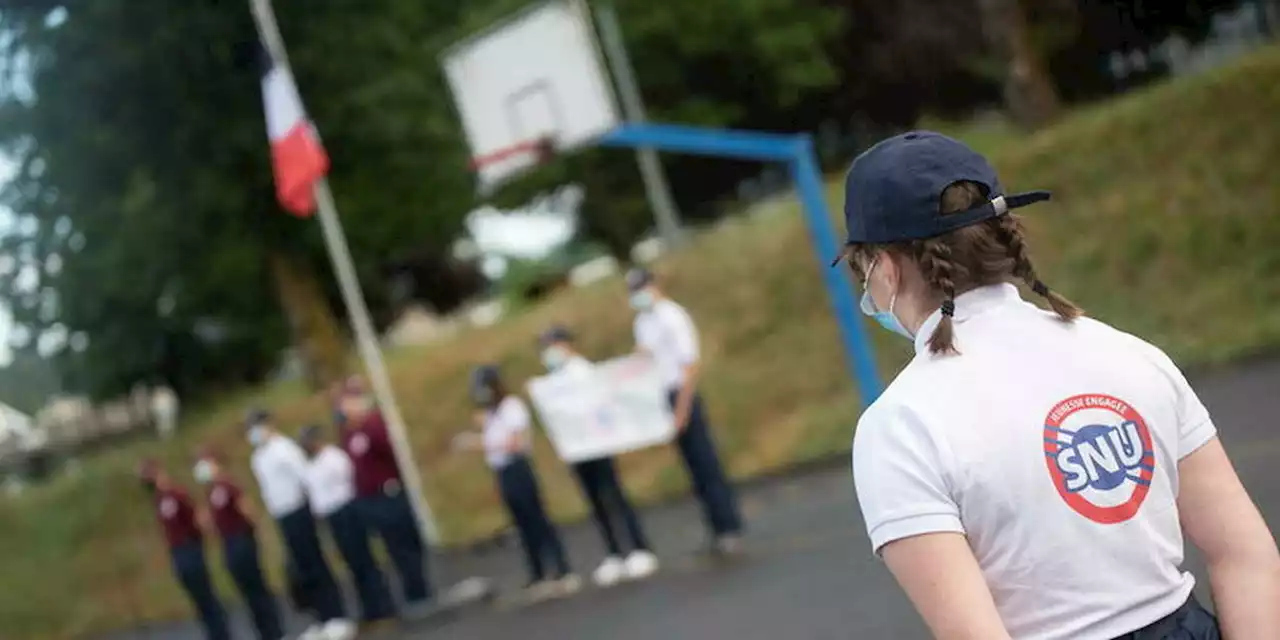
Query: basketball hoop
528	87
511	161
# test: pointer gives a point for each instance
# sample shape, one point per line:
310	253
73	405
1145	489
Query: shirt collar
968	305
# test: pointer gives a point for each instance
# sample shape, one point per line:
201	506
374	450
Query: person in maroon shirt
233	521
183	534
380	497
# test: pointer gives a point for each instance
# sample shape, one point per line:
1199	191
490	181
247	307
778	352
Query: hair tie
1040	289
949	308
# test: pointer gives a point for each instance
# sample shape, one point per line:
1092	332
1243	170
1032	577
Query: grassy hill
1165	222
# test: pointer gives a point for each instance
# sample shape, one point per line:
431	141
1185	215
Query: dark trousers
519	489
604	492
352	538
314	581
240	551
719	504
390	515
1190	622
193	573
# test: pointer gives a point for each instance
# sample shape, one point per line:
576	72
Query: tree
1029	92
144	176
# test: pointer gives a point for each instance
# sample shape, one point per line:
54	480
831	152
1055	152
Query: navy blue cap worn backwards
638	278
893	191
557	333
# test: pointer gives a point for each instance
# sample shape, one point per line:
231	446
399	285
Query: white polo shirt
667	333
576	366
330	481
279	466
510	417
1054	448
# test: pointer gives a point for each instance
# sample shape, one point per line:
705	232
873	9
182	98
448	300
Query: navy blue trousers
1190	622
240	552
719	504
314	581
352	538
390	515
193	574
519	489
608	501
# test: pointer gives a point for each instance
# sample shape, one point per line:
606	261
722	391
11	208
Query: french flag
297	157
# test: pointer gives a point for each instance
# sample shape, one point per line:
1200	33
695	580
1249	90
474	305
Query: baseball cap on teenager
638	278
555	334
893	189
483	380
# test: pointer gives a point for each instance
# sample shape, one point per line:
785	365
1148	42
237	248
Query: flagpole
349	284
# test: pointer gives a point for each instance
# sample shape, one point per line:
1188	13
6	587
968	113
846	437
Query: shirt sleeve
1195	427
293	459
684	335
900	473
515	415
337	470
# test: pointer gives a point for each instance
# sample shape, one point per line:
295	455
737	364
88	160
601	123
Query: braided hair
1012	234
983	254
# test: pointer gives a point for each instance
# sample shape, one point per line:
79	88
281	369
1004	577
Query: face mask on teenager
554	357
887	319
257	435
203	472
642	300
482	395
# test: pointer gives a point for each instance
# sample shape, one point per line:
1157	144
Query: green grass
1165	222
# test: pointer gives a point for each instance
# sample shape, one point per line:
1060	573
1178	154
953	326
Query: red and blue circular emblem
1100	456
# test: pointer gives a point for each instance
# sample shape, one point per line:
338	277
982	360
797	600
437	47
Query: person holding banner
506	442
599	480
665	332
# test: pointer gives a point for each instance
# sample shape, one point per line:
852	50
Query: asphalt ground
808	571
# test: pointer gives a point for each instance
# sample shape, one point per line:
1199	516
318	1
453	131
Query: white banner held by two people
620	405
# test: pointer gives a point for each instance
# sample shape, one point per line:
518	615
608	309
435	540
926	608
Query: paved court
809	573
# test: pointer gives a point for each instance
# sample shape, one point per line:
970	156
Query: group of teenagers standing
351	486
665	332
354	487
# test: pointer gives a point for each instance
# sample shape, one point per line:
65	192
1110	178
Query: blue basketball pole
810	187
797	152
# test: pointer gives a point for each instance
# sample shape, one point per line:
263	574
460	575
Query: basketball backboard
528	86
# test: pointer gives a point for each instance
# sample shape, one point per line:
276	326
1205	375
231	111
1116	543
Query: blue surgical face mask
886	318
204	472
257	435
642	300
554	357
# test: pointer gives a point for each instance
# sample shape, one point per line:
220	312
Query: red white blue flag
297	157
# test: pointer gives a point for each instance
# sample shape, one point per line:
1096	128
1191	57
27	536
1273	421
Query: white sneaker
313	632
610	572
568	584
339	629
641	564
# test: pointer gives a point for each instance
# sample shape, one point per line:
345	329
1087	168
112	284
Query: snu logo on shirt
1100	456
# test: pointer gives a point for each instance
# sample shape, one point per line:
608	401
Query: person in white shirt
331	491
506	441
599	480
1031	474
280	467
665	332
